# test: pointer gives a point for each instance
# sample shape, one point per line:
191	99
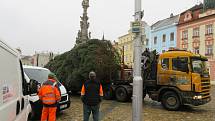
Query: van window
24	83
39	75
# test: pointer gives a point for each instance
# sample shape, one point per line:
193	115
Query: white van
41	75
14	90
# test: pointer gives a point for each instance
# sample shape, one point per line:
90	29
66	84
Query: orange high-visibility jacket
100	90
49	93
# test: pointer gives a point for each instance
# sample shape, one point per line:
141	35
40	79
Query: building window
130	59
184	46
196	50
172	36
164	37
155	40
209	29
209	50
185	34
126	59
196	32
147	42
125	48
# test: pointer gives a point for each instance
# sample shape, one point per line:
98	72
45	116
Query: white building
42	58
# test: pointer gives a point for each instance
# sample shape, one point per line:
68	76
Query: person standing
50	95
91	96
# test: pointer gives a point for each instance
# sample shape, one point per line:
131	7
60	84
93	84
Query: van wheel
121	94
170	101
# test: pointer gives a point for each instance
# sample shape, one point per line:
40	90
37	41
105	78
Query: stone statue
79	34
85	3
89	35
81	24
83	34
88	25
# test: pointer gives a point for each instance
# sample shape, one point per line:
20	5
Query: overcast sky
52	25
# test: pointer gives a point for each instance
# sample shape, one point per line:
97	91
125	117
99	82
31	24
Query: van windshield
39	75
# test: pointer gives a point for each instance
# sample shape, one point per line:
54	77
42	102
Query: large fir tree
72	67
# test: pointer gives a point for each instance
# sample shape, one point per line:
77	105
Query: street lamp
137	80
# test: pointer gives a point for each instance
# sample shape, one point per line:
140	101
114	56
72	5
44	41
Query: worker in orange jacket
50	95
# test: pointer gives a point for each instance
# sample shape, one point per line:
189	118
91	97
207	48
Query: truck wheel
121	94
170	101
108	94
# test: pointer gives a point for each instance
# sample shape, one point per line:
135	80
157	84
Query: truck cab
182	78
174	78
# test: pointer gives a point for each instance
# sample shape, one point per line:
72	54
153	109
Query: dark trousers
87	111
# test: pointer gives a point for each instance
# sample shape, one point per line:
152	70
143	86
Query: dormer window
188	16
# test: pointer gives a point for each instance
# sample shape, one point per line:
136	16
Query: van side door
25	107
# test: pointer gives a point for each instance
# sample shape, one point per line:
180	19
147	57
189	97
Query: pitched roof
165	22
196	7
194	11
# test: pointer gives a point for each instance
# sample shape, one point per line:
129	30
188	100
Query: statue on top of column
83	34
85	4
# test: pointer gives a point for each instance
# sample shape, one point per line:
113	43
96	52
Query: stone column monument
83	34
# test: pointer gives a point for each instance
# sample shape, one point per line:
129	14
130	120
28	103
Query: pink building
196	33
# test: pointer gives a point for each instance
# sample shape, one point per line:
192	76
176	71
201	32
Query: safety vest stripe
101	90
83	90
49	95
48	101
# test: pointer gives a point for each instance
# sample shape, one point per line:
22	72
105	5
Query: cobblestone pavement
152	111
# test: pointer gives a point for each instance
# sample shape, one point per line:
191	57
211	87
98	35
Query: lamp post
137	80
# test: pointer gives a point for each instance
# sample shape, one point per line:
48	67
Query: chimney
171	15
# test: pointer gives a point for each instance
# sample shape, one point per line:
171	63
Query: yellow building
125	44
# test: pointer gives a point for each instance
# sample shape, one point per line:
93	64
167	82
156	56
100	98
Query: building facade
196	33
41	59
27	60
147	36
125	48
164	34
125	44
